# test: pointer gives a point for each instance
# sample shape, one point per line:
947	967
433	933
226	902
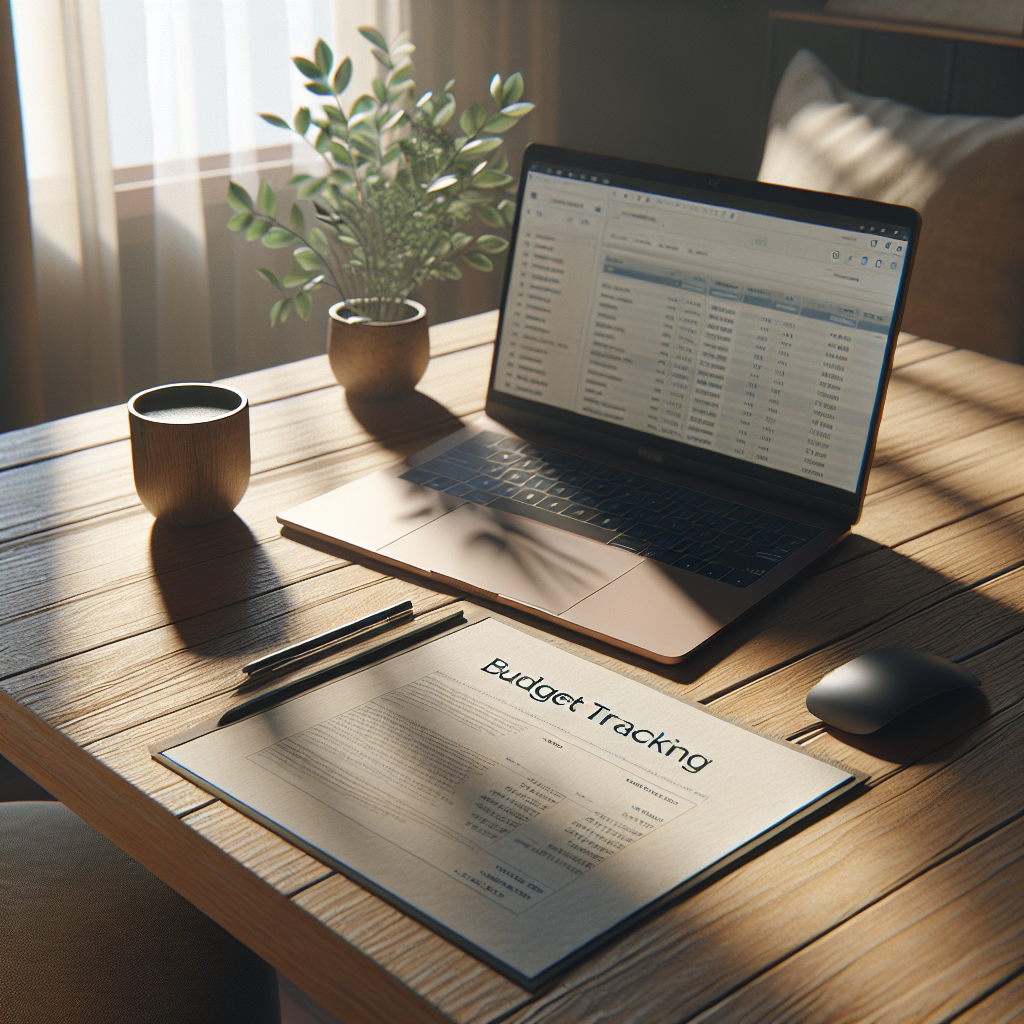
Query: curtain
74	225
137	113
470	40
21	385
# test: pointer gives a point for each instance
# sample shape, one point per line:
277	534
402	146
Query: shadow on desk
218	568
390	423
919	734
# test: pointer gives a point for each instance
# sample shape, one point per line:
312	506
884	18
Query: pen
286	654
323	675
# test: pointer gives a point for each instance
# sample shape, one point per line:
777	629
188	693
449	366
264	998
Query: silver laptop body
685	393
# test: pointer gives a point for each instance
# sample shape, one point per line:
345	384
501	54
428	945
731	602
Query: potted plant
393	207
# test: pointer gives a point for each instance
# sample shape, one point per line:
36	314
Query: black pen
291	653
357	661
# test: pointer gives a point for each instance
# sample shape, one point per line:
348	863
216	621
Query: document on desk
520	800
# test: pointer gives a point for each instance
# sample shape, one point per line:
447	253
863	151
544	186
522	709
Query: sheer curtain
21	385
137	112
74	224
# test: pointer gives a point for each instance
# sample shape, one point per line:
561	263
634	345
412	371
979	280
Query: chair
89	936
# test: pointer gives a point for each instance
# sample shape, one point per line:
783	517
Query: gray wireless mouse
870	691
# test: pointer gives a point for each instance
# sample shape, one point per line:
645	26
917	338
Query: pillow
964	174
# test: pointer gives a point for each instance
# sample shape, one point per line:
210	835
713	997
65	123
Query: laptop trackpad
516	558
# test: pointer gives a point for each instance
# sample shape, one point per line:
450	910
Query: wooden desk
904	904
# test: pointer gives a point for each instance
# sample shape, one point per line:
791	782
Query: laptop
685	392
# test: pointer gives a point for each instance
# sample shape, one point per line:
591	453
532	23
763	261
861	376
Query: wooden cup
190	451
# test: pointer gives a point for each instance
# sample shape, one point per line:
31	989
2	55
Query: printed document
520	800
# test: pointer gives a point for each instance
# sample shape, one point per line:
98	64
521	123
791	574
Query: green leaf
275	311
318	88
474	149
302	120
491	243
303	304
383	56
392	120
277	122
311	187
498	123
425	99
517	109
342	76
257	229
364	105
402	74
379	91
277	238
512	89
491	179
449	85
286	308
460	240
307	259
308	68
397	92
496	89
238	199
239	222
318	242
490	216
324	58
269	275
266	201
370	33
508	210
293	280
473	118
323	142
478	261
298	220
366	146
445	181
445	114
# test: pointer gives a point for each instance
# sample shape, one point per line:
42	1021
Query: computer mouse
870	691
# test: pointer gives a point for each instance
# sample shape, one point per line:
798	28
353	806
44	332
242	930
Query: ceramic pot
378	361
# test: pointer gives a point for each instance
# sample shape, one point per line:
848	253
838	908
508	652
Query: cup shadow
210	578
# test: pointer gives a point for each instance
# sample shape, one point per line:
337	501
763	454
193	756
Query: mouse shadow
917	734
216	581
392	421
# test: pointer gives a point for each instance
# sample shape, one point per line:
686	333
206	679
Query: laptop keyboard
675	525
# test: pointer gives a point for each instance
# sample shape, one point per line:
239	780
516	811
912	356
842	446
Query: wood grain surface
903	904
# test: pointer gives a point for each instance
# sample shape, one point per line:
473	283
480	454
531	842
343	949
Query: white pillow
964	174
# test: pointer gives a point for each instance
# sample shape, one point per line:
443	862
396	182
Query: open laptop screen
728	324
